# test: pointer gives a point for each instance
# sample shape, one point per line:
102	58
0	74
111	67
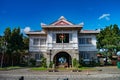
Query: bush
75	63
51	64
32	62
44	62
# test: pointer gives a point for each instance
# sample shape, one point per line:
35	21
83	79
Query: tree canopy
16	44
109	38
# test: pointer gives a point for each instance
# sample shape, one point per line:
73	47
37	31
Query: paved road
107	73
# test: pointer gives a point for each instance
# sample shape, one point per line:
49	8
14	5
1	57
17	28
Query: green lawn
44	69
87	68
39	69
10	68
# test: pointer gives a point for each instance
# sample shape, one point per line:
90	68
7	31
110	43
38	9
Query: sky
28	14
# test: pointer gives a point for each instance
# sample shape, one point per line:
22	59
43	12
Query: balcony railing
62	45
54	46
38	48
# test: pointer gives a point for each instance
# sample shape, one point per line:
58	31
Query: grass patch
64	68
10	68
39	69
2	69
81	68
13	67
86	68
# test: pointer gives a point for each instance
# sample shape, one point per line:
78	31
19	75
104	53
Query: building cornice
65	27
59	26
90	31
36	32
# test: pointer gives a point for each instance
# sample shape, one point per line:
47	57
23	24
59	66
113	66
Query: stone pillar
47	58
48	61
77	56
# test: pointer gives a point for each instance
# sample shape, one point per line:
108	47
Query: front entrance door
62	59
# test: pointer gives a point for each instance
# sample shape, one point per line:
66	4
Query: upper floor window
85	40
35	41
62	38
42	41
88	41
38	41
70	36
54	36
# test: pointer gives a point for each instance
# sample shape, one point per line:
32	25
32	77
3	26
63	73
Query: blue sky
30	13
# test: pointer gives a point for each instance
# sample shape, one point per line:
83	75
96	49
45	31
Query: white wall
88	47
36	48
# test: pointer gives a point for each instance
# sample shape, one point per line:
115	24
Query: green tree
16	45
2	51
7	39
109	38
24	53
26	42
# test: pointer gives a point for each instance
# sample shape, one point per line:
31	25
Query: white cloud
42	24
104	16
82	23
26	29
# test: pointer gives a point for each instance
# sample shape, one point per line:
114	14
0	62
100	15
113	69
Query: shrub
75	63
51	64
43	63
32	62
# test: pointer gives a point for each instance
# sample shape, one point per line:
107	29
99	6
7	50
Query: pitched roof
62	21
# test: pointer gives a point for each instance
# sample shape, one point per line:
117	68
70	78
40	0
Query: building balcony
37	48
62	45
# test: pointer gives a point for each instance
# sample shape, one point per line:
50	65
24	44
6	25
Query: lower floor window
38	56
87	54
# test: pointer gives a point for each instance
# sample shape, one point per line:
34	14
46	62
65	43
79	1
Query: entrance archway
62	59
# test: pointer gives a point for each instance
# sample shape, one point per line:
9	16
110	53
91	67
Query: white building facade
61	42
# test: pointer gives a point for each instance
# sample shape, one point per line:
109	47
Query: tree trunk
12	61
2	60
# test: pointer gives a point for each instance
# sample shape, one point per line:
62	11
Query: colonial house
61	42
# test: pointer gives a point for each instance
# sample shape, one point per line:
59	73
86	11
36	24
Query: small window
38	56
81	40
85	54
42	41
54	37
85	40
70	36
88	41
62	38
35	41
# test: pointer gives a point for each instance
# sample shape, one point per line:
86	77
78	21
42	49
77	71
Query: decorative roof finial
62	18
